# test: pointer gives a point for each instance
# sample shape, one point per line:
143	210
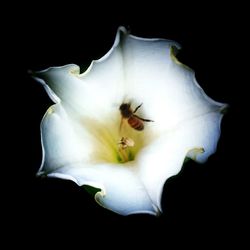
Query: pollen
126	142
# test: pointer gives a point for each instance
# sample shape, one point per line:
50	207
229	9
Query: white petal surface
122	192
60	144
60	82
164	157
168	90
96	93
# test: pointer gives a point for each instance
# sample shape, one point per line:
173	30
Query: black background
200	203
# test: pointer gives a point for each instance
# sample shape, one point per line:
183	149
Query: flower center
116	141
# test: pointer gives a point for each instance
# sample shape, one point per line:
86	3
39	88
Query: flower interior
115	141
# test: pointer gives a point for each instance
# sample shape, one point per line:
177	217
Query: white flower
81	136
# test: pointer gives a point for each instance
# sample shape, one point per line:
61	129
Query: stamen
123	148
126	142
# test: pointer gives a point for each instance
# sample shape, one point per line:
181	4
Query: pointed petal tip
122	29
71	68
41	173
224	108
174	49
34	74
193	153
41	75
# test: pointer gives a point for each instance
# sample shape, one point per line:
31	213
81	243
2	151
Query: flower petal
122	192
135	69
67	157
59	82
103	79
162	159
60	144
169	91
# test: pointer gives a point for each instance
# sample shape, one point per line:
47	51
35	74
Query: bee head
125	109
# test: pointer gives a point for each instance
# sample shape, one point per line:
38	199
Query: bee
126	142
134	120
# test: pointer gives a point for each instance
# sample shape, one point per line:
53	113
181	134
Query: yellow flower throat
114	143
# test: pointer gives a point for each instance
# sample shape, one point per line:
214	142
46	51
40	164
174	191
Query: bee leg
121	124
145	120
137	108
